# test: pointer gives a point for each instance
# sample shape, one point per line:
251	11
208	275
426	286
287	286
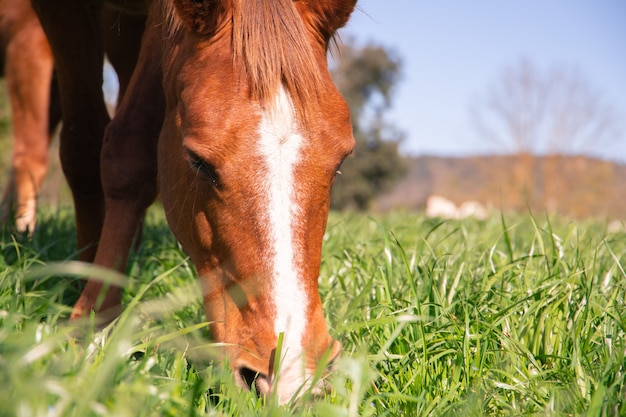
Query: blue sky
453	50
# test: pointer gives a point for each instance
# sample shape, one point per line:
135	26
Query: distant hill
573	185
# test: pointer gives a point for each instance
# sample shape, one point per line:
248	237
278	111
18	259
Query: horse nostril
248	376
255	381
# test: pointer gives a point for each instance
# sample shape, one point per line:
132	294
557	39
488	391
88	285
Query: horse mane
270	46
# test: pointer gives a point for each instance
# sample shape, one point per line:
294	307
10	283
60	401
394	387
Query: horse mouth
288	388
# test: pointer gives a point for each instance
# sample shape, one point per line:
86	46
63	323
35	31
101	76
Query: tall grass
509	316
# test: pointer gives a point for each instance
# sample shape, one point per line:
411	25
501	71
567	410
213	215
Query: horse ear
330	15
201	16
338	12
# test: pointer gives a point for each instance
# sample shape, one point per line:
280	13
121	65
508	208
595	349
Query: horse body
232	116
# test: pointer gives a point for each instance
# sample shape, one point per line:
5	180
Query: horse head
253	135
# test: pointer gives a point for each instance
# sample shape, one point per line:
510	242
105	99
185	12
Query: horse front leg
73	29
129	175
122	41
28	73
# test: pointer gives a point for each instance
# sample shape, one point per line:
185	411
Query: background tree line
527	113
546	125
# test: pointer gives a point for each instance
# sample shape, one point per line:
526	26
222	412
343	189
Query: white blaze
279	145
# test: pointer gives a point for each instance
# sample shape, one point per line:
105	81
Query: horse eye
205	169
338	170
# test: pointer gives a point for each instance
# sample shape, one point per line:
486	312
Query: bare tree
528	112
553	112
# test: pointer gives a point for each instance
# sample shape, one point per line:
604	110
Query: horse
231	116
27	64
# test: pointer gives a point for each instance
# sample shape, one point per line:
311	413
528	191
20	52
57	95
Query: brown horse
232	116
26	63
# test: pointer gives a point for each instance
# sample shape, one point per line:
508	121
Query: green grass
515	315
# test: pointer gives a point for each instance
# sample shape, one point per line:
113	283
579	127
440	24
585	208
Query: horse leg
129	175
28	75
122	40
73	29
54	111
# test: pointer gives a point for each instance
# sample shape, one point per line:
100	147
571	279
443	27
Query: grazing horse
232	116
26	63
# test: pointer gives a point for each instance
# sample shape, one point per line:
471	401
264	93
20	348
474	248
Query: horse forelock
270	48
271	42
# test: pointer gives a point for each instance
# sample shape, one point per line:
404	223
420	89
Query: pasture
518	314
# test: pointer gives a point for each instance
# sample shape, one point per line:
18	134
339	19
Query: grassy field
515	315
